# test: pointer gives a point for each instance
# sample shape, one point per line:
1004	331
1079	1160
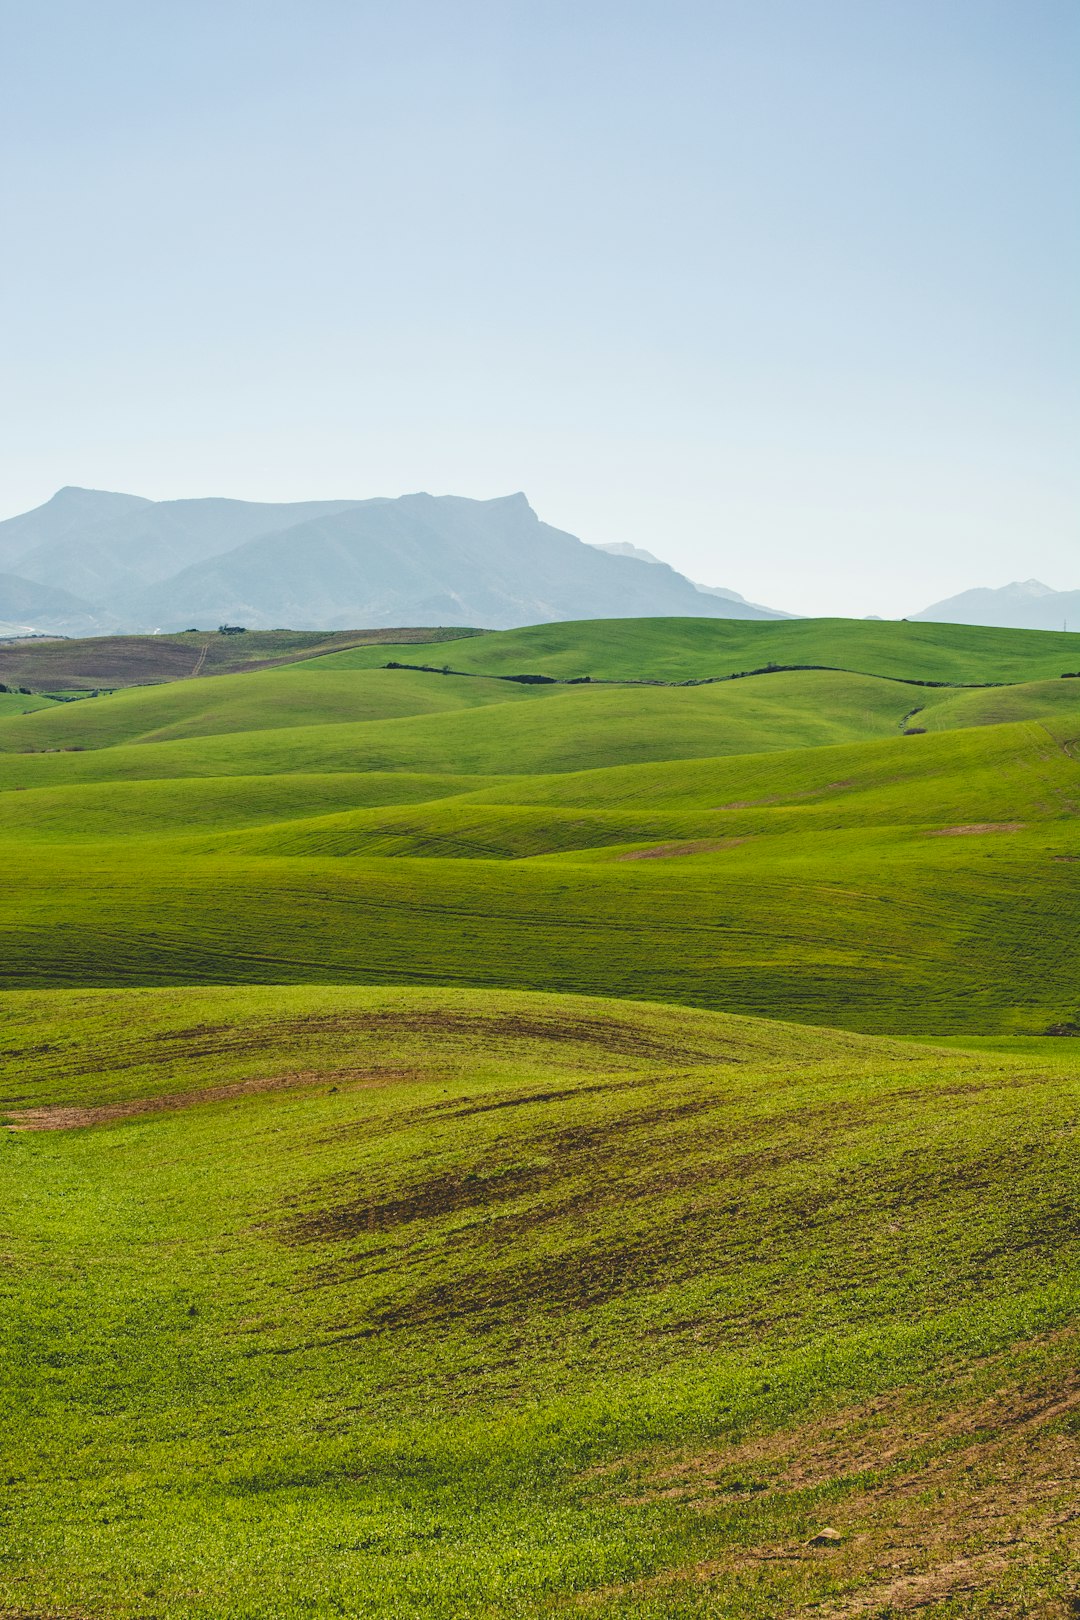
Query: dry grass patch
695	846
939	1499
977	827
63	1117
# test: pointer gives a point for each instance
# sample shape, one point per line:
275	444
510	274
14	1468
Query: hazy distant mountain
419	559
70	514
1024	605
25	604
758	611
113	545
623	548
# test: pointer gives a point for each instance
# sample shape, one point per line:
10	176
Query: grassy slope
299	719
499	727
495	1301
811	883
279	698
903	931
667	649
516	1305
689	649
102	812
1032	700
17	703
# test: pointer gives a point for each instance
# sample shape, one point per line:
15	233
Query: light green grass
695	649
537	1284
270	699
425	1331
825	885
428	723
181	807
898	931
997	706
14	704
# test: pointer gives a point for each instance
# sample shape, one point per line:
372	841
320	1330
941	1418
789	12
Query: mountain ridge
1021	605
139	566
623	548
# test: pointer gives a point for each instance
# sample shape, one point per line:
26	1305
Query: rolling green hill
484	1149
293	716
280	698
15	703
394	1303
699	649
913	884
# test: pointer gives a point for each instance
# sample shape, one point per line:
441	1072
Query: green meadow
12	703
702	649
512	1149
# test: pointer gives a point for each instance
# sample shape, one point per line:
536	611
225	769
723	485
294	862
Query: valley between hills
585	1124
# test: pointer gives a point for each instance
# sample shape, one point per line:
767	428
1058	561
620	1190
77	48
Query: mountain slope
324	565
422	558
1024	605
24	602
71	512
120	554
623	548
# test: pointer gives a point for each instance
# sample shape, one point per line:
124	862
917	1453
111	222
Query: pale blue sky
784	290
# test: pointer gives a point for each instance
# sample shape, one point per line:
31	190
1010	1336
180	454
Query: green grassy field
15	703
446	1303
479	1149
699	649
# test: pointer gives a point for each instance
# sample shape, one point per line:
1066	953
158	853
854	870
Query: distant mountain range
623	548
1024	605
91	562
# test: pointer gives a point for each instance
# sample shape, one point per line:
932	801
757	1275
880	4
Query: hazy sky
784	290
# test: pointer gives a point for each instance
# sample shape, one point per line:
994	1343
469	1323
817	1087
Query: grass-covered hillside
491	1149
16	702
403	1302
699	649
835	848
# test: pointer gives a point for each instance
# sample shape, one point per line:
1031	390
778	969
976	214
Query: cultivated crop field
483	1147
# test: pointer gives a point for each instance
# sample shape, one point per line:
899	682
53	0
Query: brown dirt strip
44	1614
699	846
976	827
63	1116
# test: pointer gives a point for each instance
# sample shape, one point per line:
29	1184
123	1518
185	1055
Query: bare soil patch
63	1117
612	1035
976	827
697	846
110	662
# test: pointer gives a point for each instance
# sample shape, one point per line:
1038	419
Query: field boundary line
704	680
